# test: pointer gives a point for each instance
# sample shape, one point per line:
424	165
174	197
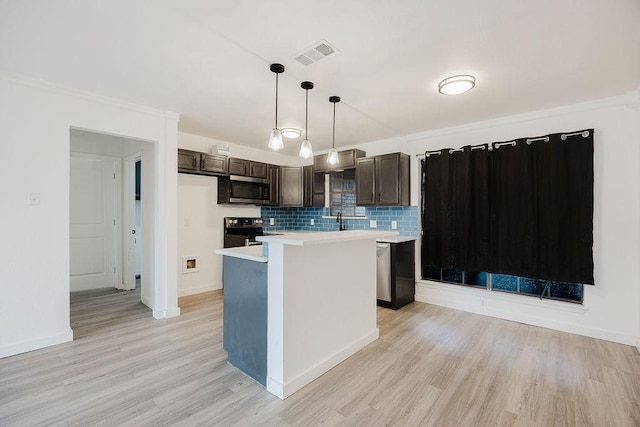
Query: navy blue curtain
524	209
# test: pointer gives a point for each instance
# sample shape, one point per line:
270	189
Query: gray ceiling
209	60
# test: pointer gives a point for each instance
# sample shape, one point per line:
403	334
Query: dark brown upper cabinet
213	164
318	189
245	167
365	182
195	162
188	161
346	160
383	180
307	186
273	175
291	186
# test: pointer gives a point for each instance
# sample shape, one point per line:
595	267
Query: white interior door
132	219
94	186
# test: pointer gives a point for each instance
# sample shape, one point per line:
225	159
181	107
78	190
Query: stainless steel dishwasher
383	267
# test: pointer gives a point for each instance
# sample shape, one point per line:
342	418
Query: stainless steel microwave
236	189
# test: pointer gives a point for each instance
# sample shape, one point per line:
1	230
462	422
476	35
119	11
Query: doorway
112	190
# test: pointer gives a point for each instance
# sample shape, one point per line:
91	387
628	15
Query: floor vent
316	52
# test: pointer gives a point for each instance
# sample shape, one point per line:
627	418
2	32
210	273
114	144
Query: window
547	289
523	208
342	193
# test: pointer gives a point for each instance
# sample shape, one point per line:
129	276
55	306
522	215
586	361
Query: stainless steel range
242	231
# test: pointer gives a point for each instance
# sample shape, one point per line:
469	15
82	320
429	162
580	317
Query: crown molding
631	100
84	95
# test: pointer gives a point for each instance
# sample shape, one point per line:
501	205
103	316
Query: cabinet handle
371	198
379	196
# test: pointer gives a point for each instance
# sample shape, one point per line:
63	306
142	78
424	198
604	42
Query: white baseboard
165	314
35	344
182	292
146	301
289	387
560	316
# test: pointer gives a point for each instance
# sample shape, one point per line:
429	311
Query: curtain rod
451	151
563	137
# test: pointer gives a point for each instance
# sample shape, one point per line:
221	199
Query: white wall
200	218
35	123
610	309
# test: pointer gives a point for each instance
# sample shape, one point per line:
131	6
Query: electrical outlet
313	221
272	221
394	225
373	223
34	198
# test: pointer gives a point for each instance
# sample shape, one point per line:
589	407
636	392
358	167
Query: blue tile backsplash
300	219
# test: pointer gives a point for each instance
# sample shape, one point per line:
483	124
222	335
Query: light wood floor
431	366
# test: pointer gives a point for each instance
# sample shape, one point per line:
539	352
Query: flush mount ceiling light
275	139
291	133
305	148
457	84
332	158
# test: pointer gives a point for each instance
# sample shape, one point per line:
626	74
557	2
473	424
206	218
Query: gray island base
320	299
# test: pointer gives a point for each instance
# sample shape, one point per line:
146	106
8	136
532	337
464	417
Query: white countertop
395	239
251	253
306	238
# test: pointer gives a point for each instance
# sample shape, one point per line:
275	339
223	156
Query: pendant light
305	148
275	139
332	158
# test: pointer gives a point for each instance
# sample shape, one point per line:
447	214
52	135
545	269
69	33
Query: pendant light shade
306	150
275	138
332	157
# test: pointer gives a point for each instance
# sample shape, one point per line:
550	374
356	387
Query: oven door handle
248	242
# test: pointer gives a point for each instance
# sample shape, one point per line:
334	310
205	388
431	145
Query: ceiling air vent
316	52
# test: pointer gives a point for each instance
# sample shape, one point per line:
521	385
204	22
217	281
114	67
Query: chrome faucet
339	219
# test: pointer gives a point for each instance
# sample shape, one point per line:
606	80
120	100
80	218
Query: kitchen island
321	302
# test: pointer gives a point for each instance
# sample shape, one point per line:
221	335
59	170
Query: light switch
394	225
373	223
272	221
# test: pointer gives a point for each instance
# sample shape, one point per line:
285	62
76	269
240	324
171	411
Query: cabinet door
365	181
291	186
318	189
387	171
346	160
258	170
188	161
307	191
273	175
213	164
238	167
